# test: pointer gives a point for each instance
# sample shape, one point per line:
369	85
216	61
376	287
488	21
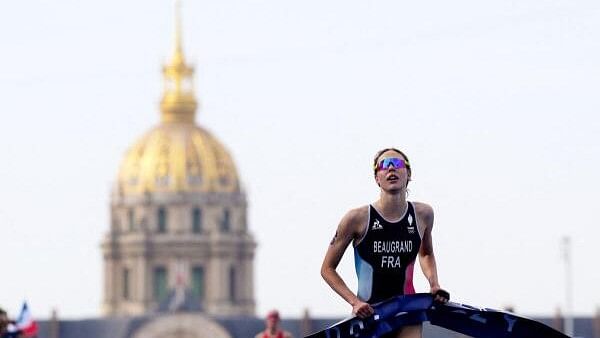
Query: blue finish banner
396	312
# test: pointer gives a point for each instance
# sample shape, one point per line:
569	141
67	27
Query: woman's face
393	176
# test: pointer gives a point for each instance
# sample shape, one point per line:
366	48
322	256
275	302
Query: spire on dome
179	102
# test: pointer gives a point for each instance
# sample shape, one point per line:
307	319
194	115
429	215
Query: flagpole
569	320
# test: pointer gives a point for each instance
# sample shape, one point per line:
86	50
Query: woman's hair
379	153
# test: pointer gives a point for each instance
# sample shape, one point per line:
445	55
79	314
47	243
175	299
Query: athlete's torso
384	258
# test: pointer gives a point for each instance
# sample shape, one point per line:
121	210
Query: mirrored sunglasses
395	162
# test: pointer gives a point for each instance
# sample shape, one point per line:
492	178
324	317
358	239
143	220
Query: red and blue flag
25	323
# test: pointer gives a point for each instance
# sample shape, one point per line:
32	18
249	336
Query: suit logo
411	226
376	225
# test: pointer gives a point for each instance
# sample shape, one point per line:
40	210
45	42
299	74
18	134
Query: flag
25	322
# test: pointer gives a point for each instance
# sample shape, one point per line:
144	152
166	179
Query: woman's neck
392	206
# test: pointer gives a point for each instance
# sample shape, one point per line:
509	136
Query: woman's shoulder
423	210
356	219
359	214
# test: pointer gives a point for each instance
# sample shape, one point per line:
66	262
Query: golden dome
177	157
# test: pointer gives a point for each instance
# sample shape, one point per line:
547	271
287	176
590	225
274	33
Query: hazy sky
495	102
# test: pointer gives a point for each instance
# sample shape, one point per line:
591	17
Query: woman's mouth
392	178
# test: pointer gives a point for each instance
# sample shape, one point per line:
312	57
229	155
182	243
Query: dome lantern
178	103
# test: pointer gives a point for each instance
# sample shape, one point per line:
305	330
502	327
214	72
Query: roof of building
238	327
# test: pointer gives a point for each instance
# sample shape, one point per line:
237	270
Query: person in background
272	329
4	326
3	322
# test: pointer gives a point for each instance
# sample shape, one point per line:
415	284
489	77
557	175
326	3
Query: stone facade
220	246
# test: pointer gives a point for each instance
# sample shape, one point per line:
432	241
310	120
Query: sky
495	103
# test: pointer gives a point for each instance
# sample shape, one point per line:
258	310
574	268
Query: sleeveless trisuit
384	258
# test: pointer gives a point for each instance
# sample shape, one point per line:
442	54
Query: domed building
178	215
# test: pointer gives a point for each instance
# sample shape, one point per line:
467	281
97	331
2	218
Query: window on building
198	282
126	277
162	220
244	223
226	221
160	283
115	225
197	220
232	284
131	219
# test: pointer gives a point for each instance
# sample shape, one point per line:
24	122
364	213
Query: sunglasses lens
397	163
